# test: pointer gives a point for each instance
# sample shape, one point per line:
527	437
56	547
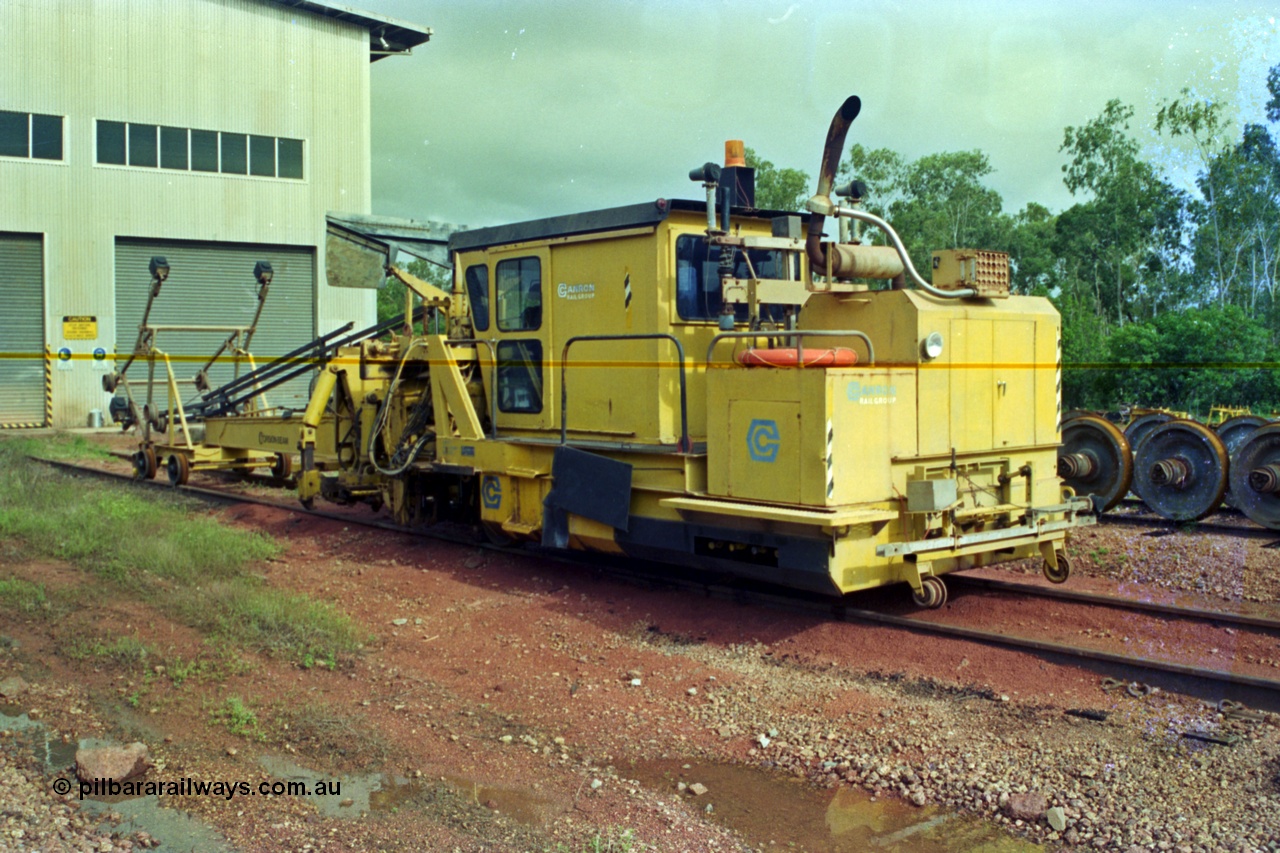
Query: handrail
685	445
493	377
799	335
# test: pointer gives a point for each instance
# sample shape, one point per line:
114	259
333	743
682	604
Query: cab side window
519	294
478	292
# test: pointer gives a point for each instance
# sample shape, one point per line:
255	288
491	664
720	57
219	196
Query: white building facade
215	133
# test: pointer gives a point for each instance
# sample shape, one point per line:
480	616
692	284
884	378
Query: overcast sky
516	110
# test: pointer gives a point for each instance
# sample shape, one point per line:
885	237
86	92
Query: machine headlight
931	347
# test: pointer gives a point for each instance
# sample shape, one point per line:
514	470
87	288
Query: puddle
766	808
519	804
174	830
379	792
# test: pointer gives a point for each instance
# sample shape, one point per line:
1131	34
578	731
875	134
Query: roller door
21	330
212	284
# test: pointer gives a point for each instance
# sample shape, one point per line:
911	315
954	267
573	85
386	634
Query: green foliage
779	189
391	297
127	652
22	596
238	718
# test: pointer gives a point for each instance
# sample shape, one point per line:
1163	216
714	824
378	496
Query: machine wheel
1234	432
1140	426
1061	573
144	464
1180	470
179	470
1095	459
282	467
932	594
307	503
1255	483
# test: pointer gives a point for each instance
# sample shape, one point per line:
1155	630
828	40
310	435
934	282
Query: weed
127	652
23	596
238	718
1097	554
328	730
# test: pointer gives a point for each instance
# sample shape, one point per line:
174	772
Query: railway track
1261	690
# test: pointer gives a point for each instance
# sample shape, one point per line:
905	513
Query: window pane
46	137
173	147
111	142
290	151
698	292
234	153
519	294
262	156
142	145
520	376
13	134
478	292
204	150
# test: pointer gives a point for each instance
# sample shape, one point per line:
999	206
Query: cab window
520	376
478	292
519	294
698	295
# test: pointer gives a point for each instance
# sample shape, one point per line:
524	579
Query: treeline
1168	297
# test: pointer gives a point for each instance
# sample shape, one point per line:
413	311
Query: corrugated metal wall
212	284
22	330
240	66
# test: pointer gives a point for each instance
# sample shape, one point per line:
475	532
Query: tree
779	189
1125	240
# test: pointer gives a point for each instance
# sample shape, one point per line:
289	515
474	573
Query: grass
610	841
238	718
22	596
162	548
126	652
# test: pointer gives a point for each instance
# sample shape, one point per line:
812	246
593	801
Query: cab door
525	393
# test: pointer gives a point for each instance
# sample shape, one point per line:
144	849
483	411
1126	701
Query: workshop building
215	133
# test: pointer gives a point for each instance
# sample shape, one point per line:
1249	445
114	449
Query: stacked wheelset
1182	469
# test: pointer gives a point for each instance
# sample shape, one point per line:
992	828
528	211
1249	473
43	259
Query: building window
30	135
204	151
519	294
478	292
234	160
142	144
150	146
173	148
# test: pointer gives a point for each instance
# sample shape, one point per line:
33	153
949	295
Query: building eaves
387	36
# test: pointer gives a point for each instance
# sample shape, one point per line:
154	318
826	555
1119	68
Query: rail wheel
144	464
307	503
1140	426
1095	459
496	536
1255	476
1180	470
1072	414
282	467
1234	432
178	469
932	594
1059	573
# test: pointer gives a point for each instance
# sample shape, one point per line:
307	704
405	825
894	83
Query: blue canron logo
491	491
762	440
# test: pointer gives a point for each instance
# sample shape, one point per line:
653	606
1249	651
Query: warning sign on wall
79	328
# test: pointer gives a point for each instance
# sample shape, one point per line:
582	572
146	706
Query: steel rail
1175	610
811	605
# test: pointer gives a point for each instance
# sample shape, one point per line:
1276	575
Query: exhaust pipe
821	201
